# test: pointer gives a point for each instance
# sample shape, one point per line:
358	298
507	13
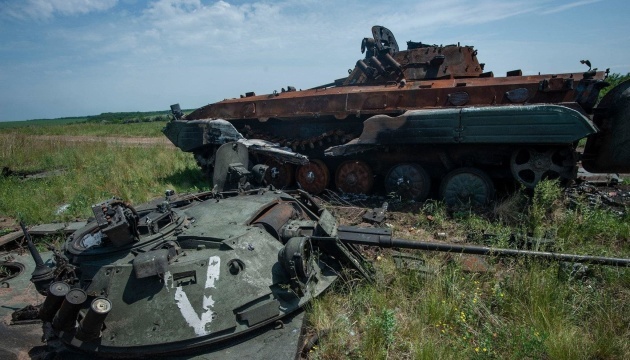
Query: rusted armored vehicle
426	118
224	273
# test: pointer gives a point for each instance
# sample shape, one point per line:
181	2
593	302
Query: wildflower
477	349
485	350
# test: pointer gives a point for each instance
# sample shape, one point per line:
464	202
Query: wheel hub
274	172
310	177
529	166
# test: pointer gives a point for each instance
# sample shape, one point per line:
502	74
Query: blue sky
84	57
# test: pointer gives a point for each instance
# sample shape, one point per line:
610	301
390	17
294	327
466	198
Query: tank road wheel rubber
466	187
280	175
409	181
529	166
354	176
313	177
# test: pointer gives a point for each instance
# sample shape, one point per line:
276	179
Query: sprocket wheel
354	176
465	187
409	181
529	166
280	175
313	177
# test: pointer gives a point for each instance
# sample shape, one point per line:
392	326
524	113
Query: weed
546	200
4	272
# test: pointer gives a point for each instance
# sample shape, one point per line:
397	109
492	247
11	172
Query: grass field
518	310
109	118
149	129
91	171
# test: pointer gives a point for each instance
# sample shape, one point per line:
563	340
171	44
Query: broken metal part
26	315
176	111
376	215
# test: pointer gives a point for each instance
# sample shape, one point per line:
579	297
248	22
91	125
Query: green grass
91	172
150	129
523	309
41	122
104	118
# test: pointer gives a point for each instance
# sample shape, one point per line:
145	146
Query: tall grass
521	309
91	172
150	129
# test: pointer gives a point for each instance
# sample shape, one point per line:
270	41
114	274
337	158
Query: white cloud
46	9
568	6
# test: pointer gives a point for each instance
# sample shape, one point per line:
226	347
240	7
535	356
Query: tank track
328	138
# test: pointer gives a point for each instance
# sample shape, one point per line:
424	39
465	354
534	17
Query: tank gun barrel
383	238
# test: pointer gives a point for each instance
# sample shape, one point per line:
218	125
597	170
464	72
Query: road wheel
466	187
280	175
409	181
529	166
354	176
313	177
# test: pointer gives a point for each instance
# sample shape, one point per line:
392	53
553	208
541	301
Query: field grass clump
90	173
519	309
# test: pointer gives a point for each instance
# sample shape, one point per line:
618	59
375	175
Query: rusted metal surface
354	176
313	177
341	102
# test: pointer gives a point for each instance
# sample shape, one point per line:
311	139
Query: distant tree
614	80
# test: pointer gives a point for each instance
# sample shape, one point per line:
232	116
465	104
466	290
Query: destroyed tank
180	274
224	272
429	117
